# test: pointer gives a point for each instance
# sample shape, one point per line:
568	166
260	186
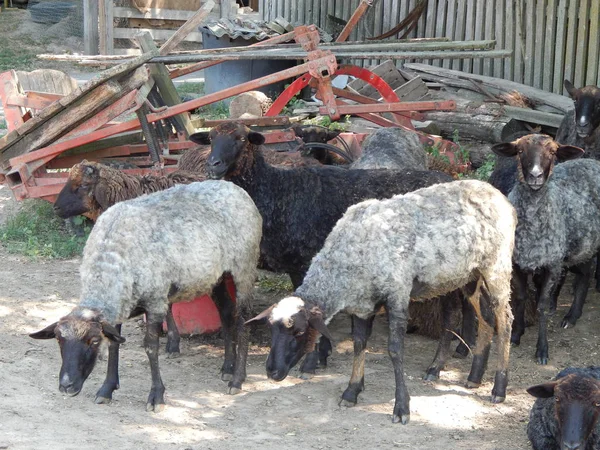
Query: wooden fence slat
430	21
593	73
538	54
479	33
490	14
550	45
571	35
459	30
582	43
499	29
509	38
450	27
519	50
469	31
529	33
559	39
440	26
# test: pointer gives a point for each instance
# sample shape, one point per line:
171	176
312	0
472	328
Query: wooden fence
551	39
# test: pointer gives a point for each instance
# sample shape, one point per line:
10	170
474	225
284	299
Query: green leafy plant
35	231
485	170
325	121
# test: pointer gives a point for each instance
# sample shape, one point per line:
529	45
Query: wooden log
165	85
494	85
255	103
192	24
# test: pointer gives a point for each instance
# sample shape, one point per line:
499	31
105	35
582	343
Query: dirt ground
296	413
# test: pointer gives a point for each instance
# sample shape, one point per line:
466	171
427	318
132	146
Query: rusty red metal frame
28	177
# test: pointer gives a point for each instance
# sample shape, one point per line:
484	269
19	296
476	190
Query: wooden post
90	27
165	85
106	27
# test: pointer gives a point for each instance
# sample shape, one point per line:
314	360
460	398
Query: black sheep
299	206
565	414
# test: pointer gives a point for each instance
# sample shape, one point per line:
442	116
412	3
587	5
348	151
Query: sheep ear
263	316
256	138
567	152
101	195
315	319
545	390
332	134
111	332
46	333
507	149
570	88
200	138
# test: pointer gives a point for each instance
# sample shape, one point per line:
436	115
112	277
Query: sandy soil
297	413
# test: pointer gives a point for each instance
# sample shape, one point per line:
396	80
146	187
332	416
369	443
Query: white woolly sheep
385	252
146	253
559	226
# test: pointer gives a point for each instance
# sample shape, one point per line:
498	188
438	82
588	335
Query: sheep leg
111	382
226	308
468	330
545	286
583	275
361	331
173	337
597	273
481	304
156	400
450	305
503	325
241	339
398	321
520	297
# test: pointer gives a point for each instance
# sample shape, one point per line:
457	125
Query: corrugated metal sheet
239	28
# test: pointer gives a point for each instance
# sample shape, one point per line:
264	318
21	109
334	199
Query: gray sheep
559	226
146	253
565	414
392	148
385	252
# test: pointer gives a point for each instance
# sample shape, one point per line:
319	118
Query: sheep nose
571	445
65	383
215	163
583	121
536	171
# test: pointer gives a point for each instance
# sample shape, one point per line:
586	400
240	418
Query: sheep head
536	155
77	196
576	407
295	325
587	108
79	336
230	143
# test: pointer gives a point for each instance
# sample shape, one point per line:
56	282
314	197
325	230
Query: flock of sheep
385	232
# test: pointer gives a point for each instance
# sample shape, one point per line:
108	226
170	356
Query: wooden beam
106	26
192	24
90	27
157	35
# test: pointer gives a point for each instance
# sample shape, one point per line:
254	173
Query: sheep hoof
430	377
497	399
233	390
403	419
102	400
155	408
472	385
226	376
542	360
348	403
306	376
173	355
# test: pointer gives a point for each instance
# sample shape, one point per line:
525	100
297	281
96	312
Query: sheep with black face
299	206
558	207
565	414
146	253
385	252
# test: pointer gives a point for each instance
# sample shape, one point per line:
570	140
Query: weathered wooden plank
157	35
192	23
430	21
518	58
509	38
106	27
440	26
459	31
499	26
550	43
90	27
533	116
158	13
412	90
559	102
46	80
559	39
538	54
479	30
450	27
593	54
582	43
469	31
489	33
529	41
571	39
386	70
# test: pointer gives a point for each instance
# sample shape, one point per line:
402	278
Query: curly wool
420	245
301	206
392	148
170	246
543	430
560	223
